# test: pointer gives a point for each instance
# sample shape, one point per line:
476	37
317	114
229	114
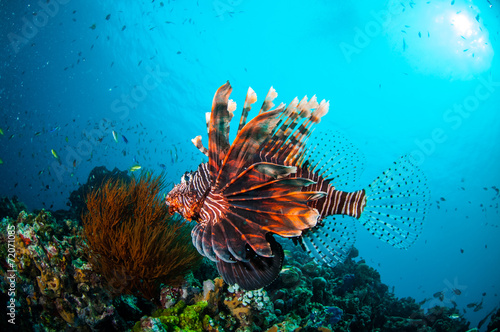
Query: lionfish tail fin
396	204
331	242
255	273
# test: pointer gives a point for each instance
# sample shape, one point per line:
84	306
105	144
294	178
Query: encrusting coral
54	289
133	241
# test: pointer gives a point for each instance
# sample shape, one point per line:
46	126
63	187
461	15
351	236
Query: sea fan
133	242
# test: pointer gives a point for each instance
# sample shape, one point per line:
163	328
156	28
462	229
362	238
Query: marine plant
133	241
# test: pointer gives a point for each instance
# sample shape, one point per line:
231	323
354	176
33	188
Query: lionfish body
266	182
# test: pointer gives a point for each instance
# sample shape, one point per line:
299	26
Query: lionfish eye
186	177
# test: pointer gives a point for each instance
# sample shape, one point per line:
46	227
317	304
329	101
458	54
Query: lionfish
266	182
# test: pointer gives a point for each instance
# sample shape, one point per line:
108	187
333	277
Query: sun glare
470	39
462	24
451	41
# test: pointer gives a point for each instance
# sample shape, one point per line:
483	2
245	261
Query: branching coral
133	241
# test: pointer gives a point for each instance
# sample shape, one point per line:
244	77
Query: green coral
179	318
190	318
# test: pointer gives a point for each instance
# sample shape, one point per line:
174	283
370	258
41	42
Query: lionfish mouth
172	206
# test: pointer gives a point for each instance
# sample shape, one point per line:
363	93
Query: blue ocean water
402	77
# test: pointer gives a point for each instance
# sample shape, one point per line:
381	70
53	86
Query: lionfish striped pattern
268	182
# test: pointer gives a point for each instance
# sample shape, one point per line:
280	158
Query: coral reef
54	288
133	241
323	316
11	207
180	317
494	324
350	297
59	285
251	308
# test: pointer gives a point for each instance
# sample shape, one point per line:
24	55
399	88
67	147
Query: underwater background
403	77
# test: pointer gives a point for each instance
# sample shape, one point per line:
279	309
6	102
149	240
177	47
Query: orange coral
238	310
133	241
49	283
212	297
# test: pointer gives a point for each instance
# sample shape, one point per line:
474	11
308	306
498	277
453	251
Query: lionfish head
182	199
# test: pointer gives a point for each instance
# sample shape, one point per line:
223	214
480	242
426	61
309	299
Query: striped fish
268	182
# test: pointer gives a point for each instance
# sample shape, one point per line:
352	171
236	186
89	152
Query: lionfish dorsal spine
268	102
207	120
197	142
218	133
246	146
250	99
278	147
303	132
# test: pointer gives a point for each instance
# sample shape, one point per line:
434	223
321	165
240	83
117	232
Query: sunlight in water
470	38
462	24
443	40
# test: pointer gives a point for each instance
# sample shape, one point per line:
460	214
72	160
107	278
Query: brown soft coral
49	283
133	241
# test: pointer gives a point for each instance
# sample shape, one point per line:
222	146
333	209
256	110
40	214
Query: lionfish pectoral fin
222	241
258	175
246	145
396	204
331	242
263	198
284	214
275	171
255	273
220	245
300	196
242	231
202	241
